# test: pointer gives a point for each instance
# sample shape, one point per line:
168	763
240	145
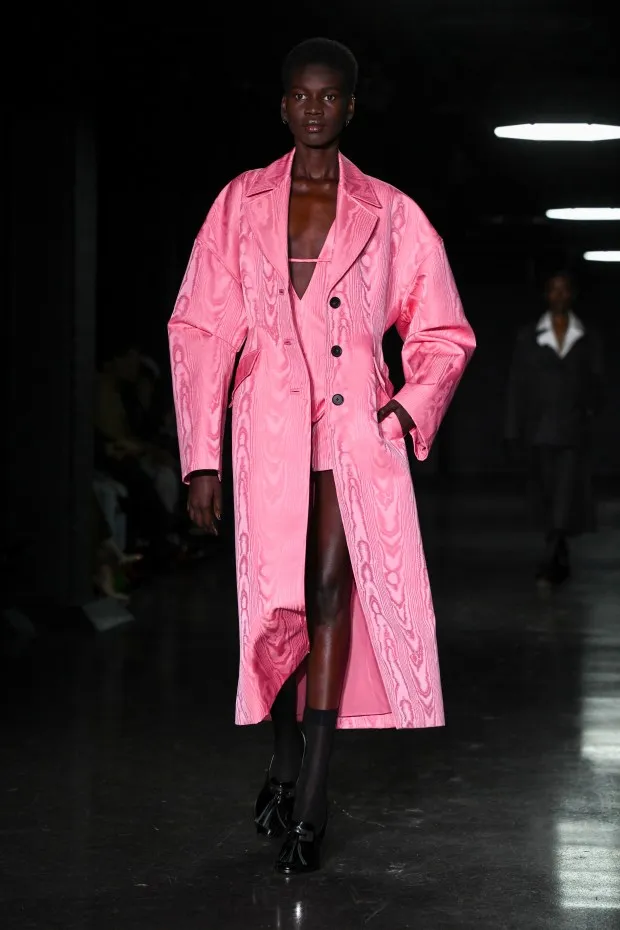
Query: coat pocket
385	389
389	428
384	385
244	370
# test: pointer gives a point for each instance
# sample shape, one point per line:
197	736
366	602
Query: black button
338	400
335	302
337	351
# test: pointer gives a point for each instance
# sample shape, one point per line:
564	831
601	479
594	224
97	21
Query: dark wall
49	370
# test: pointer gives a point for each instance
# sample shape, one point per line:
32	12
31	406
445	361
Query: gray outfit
553	396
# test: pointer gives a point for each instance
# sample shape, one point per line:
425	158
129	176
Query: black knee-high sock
287	738
311	797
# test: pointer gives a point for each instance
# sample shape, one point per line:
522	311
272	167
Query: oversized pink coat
388	267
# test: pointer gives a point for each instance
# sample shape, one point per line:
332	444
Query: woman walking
306	264
555	390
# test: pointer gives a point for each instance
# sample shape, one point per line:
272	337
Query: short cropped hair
321	51
568	276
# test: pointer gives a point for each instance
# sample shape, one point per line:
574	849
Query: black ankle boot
301	851
273	811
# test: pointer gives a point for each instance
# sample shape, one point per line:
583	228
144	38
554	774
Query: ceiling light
602	256
584	213
559	132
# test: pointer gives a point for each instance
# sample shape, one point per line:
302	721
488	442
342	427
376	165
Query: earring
347	122
285	121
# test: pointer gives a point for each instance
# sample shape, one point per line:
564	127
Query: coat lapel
356	218
267	196
267	199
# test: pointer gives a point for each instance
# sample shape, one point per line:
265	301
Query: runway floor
126	791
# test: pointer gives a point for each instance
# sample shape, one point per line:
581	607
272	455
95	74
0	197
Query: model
303	266
555	390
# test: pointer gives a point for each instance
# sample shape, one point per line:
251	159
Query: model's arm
207	329
437	345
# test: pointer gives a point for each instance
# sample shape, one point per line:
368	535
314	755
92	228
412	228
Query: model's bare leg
328	597
328	606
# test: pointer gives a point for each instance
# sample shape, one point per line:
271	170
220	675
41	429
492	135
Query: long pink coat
388	267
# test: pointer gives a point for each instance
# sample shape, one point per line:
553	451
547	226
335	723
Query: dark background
124	121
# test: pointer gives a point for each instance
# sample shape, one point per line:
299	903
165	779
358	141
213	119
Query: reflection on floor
125	790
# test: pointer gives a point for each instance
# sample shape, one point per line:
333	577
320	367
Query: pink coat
388	267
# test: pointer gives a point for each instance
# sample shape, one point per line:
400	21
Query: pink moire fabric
388	267
310	315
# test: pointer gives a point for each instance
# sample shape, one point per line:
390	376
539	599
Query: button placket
336	350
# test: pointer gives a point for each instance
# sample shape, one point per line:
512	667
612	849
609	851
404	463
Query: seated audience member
109	561
124	456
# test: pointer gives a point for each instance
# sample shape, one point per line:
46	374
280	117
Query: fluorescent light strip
559	132
602	256
584	213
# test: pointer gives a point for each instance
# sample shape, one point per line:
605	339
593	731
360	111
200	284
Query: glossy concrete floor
126	791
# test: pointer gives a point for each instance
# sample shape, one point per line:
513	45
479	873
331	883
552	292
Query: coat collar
267	194
357	184
545	334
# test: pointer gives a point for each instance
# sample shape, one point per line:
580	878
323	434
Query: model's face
316	106
559	293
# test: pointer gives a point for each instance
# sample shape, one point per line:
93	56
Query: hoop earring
285	121
347	123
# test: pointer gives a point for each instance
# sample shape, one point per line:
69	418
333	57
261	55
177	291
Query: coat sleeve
207	329
437	345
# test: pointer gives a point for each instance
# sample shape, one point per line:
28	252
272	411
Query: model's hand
204	503
404	419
